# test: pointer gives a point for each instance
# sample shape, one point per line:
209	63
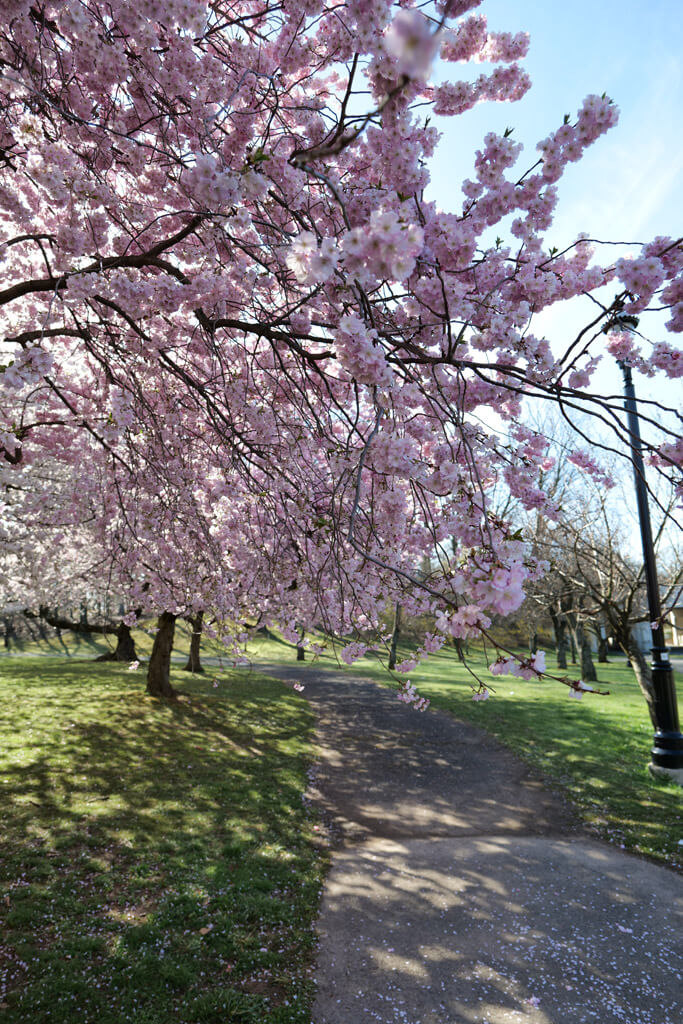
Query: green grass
158	861
595	749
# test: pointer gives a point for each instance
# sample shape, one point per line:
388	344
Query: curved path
464	892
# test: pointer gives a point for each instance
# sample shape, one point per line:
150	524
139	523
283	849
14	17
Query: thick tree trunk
533	642
193	662
588	673
159	668
125	646
395	636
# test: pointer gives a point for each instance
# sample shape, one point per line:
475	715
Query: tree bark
125	646
602	650
300	649
643	675
159	668
396	632
193	662
560	628
572	645
641	671
588	673
85	625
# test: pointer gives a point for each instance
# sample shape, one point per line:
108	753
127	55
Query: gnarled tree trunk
193	663
125	646
159	668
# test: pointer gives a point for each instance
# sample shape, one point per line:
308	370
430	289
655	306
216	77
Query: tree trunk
602	650
85	625
394	636
193	663
533	642
641	671
300	649
562	646
572	645
560	628
588	673
159	669
125	646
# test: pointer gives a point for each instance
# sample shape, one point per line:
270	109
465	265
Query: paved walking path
463	892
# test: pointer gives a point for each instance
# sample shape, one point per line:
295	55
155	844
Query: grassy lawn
595	749
158	862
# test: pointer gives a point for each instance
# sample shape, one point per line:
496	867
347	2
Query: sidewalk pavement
464	892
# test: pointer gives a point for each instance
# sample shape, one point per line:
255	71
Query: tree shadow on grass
158	856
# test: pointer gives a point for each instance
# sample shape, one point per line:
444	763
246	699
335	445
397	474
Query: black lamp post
667	749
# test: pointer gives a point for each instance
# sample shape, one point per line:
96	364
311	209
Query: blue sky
629	184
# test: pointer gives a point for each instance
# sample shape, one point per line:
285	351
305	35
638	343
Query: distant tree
600	583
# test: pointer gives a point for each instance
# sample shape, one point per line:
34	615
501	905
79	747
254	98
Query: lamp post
667	749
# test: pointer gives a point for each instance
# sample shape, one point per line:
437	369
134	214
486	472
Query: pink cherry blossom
250	367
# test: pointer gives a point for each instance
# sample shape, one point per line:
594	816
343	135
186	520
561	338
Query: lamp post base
666	774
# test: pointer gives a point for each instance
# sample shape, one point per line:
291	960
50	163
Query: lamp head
621	322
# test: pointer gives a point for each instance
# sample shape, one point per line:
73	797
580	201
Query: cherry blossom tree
226	289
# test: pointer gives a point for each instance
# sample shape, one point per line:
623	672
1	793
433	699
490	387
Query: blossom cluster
210	185
407	694
577	688
360	352
353	652
524	668
410	44
585	462
311	263
383	250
